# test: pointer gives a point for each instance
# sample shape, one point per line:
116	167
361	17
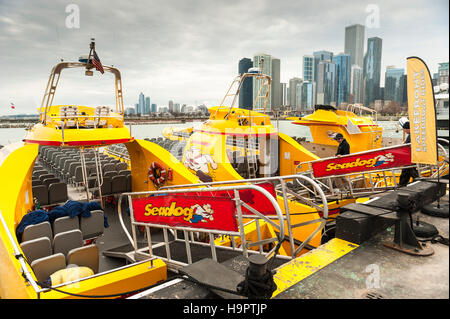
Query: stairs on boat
227	272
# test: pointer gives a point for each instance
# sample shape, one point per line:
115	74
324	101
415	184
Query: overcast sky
188	50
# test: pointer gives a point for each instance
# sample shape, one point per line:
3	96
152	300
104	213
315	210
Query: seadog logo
369	163
193	214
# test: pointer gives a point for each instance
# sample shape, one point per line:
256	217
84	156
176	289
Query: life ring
157	174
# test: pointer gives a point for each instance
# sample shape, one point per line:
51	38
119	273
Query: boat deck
369	271
375	271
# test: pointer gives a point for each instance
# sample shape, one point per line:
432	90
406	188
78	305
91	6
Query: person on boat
407	173
344	147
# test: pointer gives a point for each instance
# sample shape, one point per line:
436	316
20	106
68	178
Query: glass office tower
246	92
372	70
394	84
343	77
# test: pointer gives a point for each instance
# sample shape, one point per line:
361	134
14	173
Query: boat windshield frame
240	80
53	80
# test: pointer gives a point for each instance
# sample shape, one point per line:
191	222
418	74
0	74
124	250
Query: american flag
96	62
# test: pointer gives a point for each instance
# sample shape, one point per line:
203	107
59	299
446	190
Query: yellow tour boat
91	212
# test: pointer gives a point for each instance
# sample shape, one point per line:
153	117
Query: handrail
240	80
365	152
281	180
256	180
280	233
196	190
121	155
20	258
352	154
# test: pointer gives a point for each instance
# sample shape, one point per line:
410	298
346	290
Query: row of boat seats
67	249
70	117
113	185
101	113
114	167
48	189
91	227
69	168
50	195
50	249
108	169
119	148
299	139
51	156
176	148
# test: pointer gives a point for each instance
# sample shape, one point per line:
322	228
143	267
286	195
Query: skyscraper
295	89
276	88
308	68
171	106
264	63
141	109
394	84
154	107
308	90
147	105
326	82
442	73
284	99
372	70
343	72
320	56
356	84
354	44
246	92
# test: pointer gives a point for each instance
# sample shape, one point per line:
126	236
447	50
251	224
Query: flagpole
92	47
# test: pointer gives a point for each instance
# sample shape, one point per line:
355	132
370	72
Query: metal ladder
98	177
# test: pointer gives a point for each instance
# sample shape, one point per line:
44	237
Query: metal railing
17	254
283	191
53	81
371	181
189	231
29	277
77	120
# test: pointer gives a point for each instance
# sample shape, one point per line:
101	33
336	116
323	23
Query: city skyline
191	58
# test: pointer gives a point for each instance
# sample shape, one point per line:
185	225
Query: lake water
12	135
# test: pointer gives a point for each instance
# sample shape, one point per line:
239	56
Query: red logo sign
187	210
210	210
379	159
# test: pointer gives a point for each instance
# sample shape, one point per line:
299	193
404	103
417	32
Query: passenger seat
36	248
65	241
93	226
87	256
43	229
45	266
65	223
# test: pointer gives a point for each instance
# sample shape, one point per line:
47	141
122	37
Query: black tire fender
424	229
433	210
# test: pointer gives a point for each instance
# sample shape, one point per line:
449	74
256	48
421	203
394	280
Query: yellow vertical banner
421	111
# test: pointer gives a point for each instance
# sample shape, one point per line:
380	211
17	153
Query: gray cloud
188	51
